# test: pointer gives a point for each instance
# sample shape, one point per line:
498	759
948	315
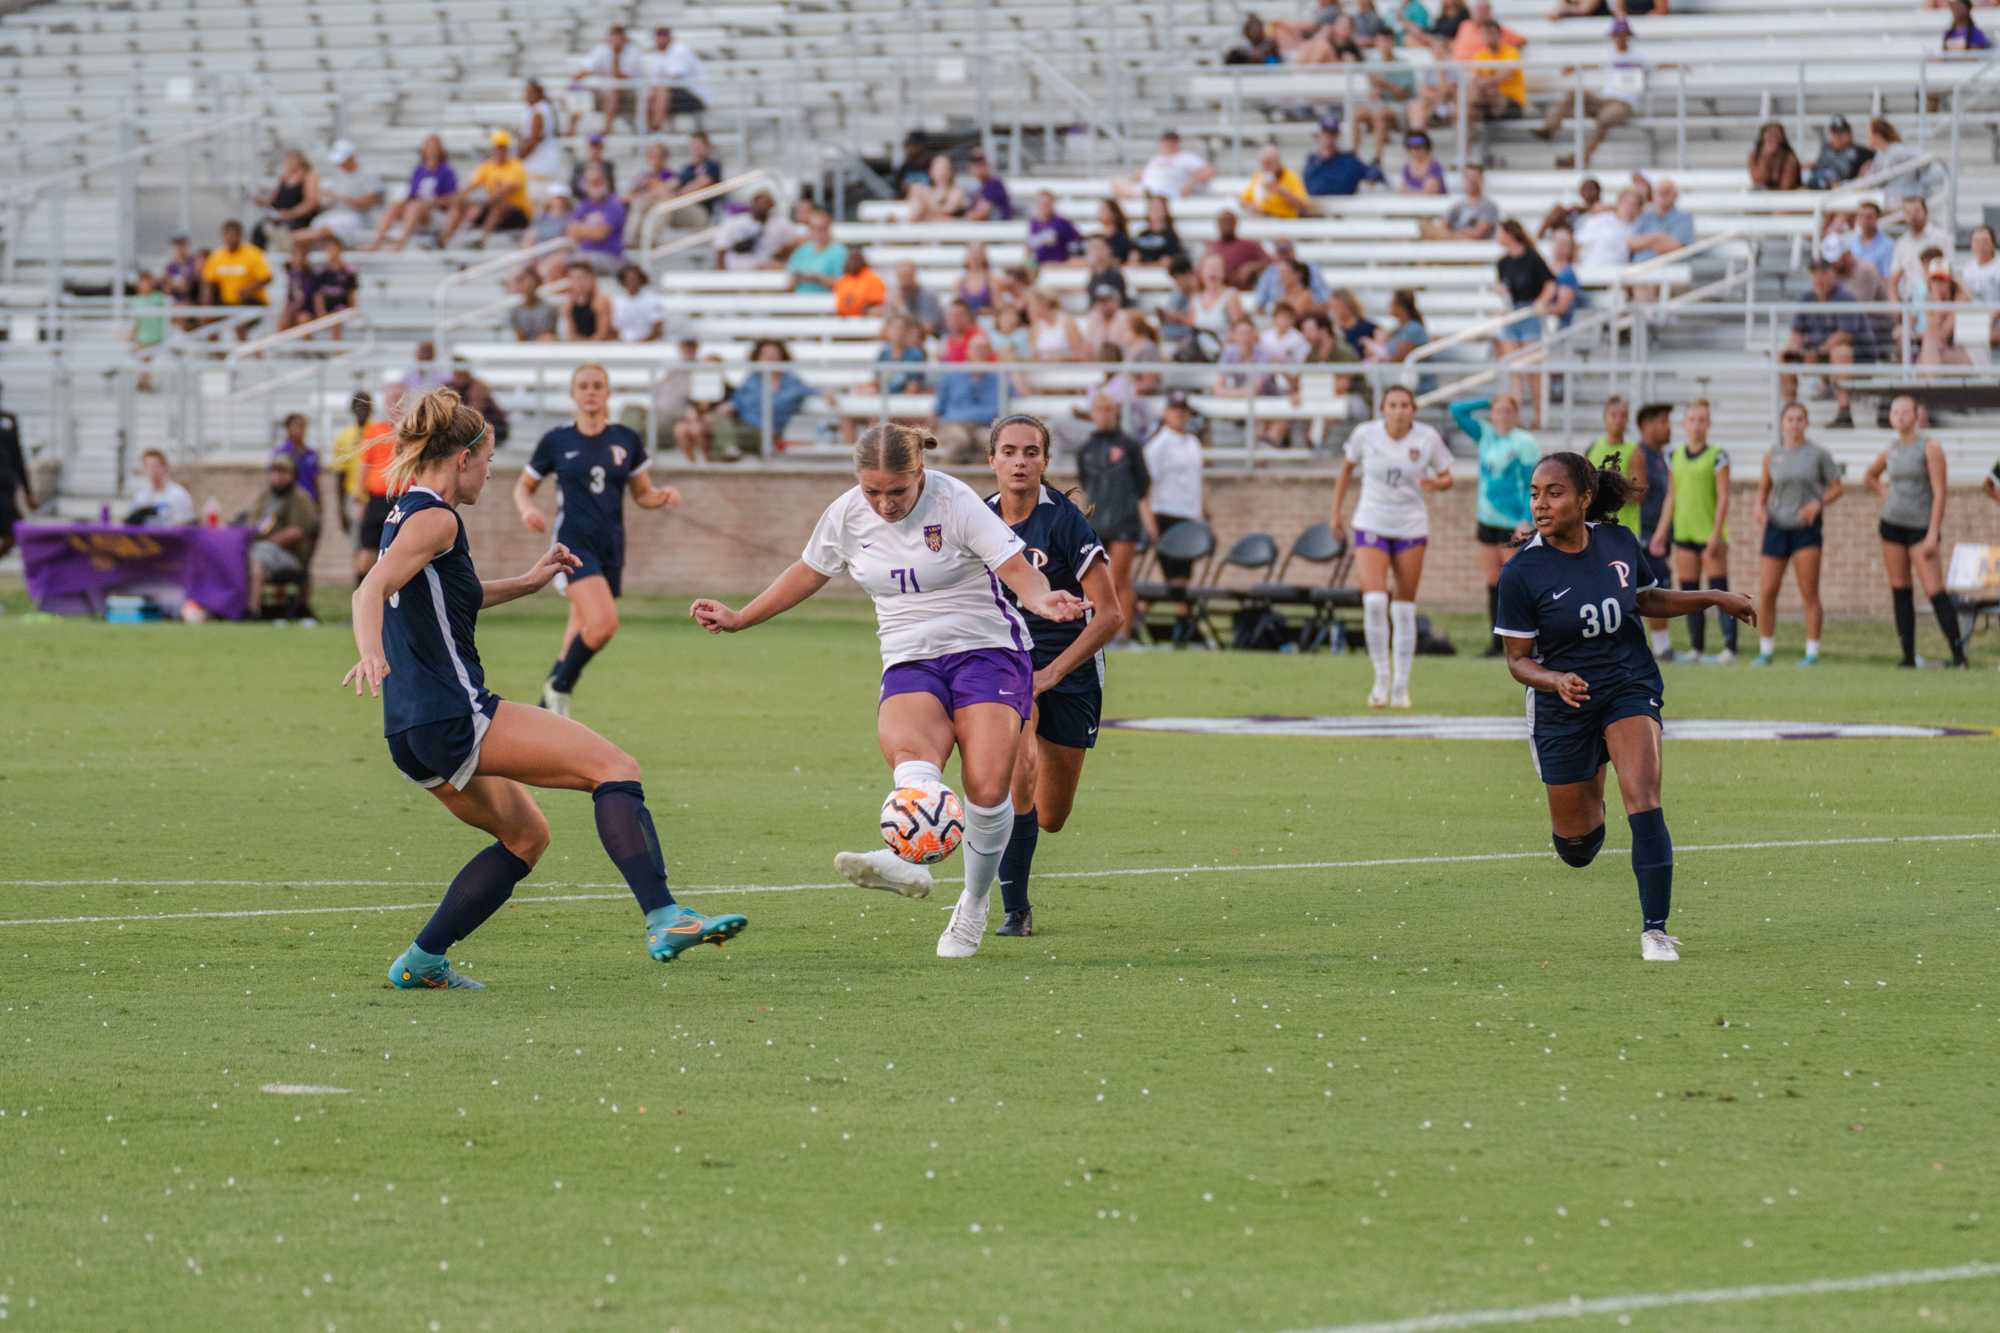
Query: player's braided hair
430	430
1608	488
892	448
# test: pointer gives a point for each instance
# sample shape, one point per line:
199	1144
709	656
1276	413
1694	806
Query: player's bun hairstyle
1608	488
431	430
892	449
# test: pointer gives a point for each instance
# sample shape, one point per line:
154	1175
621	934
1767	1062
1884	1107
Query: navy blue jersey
1659	478
1062	544
591	472
434	671
1581	608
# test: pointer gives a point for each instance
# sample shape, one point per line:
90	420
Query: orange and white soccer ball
924	823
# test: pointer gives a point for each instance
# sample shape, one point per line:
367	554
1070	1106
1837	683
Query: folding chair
1256	552
1188	540
1318	546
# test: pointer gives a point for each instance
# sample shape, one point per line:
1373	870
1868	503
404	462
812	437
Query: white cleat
883	870
1400	699
555	700
967	927
1724	658
1379	696
1656	946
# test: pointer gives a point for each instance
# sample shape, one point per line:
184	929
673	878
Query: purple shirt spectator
433	182
994	193
1053	241
612	210
305	462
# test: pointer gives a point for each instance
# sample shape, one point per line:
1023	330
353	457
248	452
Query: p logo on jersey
1039	559
618	455
934	536
1624	573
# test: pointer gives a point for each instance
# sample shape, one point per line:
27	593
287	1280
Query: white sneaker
1656	946
1687	658
1379	696
967	926
884	870
1723	658
555	700
1400	699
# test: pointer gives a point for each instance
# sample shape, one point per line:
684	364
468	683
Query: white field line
727	890
302	1090
1577	1308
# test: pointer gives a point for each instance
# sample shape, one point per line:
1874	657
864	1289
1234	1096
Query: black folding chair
1256	552
1189	540
1317	546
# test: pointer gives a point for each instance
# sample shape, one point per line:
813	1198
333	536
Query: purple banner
72	567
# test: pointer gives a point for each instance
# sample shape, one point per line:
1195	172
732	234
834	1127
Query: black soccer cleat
1018	923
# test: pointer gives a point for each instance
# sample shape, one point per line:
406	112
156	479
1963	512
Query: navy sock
625	827
1947	619
1698	621
476	893
1905	602
1728	621
1653	866
1017	861
1580	852
571	664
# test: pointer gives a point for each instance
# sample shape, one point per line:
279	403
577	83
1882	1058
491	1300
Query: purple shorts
956	680
1394	546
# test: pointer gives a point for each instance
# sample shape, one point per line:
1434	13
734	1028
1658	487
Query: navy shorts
596	562
1900	535
1784	543
1568	743
1063	718
448	751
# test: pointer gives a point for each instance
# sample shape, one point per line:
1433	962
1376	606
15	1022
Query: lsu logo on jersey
1624	572
1415	453
934	536
618	455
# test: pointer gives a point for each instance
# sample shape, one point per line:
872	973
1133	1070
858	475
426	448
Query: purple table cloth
72	567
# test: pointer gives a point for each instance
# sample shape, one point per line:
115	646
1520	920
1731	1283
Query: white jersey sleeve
980	532
826	550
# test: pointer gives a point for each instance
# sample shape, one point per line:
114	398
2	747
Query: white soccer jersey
930	573
1392	504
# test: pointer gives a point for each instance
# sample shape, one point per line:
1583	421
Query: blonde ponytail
430	430
892	448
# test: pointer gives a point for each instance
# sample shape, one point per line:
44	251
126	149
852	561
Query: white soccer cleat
883	869
967	927
1379	696
1656	946
555	700
1724	658
1400	699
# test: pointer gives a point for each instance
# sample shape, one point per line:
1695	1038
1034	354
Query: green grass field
1256	1098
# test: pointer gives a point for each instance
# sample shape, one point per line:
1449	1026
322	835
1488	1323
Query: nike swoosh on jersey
571	454
1559	596
1007	694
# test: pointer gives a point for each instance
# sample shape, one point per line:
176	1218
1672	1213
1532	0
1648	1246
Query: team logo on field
618	455
934	536
1624	573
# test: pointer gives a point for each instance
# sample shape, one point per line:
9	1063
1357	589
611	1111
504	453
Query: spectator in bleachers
292	202
1290	281
541	154
1891	154
1664	227
1238	368
1981	271
757	239
909	298
348	197
678	417
1621	86
1332	170
478	395
1138	343
147	331
1862	282
638	312
1472	217
298	307
1101	268
1325	346
610	64
817	261
424	373
859	290
162	501
335	284
1009	337
700	171
552	223
1919	234
1937	334
598	226
959	328
1773	164
1113	230
1964	34
915	168
432	191
902	342
1172	173
533	320
594	158
1827	337
975	286
675	84
1604	240
1282	343
739	423
180	276
1275	190
938	199
1157	242
304	459
1590	198
1422	173
286	527
1052	238
1118	386
1443	28
1111	465
586	309
1867	241
1107	307
1242	259
656	182
1528	285
1216	305
967	402
988	201
1499	89
1257	47
1404	334
1840	158
496	198
1343	307
235	273
1392	89
1176	313
1013	285
1053	335
1560	303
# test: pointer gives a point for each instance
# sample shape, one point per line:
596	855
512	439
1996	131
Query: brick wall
738	529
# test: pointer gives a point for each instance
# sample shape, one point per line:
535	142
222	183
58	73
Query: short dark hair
1652	411
1178	265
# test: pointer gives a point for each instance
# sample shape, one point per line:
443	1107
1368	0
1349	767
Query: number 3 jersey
1582	608
930	572
591	473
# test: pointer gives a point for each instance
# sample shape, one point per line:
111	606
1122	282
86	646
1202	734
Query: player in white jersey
955	663
1401	461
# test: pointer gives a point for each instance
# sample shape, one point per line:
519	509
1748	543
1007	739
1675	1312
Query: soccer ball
923	824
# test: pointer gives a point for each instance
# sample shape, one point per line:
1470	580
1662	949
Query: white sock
1812	648
1375	624
987	830
1403	615
1663	641
912	772
1765	647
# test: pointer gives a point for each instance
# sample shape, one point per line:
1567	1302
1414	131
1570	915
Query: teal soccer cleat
417	970
671	931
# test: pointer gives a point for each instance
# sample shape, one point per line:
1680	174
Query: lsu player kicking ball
1571	602
955	652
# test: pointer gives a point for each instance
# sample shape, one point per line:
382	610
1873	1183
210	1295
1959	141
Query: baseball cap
1417	140
1939	269
342	150
1620	28
1178	398
1839	123
596	141
502	139
1330	122
1100	290
1175	135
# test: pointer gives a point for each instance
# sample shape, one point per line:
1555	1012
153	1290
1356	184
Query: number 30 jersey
591	473
930	572
1582	608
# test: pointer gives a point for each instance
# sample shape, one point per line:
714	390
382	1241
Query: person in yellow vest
361	455
1695	520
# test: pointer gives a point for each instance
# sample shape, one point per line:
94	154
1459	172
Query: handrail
513	259
655	216
297	333
22	192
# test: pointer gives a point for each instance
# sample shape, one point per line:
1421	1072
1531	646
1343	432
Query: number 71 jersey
1582	608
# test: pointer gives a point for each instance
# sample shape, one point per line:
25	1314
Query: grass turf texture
1203	1101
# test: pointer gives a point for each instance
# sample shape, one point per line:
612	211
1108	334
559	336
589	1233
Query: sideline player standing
1570	605
1068	656
414	618
1695	521
955	665
594	464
